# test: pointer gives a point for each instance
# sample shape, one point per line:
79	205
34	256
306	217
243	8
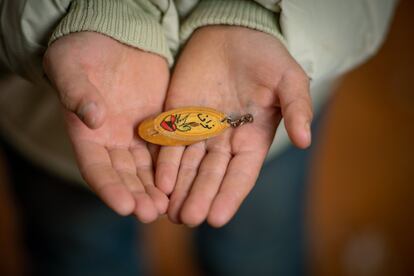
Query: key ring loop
247	118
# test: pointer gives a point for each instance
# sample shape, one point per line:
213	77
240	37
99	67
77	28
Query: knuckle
211	172
187	166
168	164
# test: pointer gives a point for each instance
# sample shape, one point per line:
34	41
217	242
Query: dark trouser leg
67	230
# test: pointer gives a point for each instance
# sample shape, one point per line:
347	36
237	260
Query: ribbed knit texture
122	20
231	12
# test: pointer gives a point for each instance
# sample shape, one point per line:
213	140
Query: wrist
123	21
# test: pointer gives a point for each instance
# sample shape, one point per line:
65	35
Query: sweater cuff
232	12
121	20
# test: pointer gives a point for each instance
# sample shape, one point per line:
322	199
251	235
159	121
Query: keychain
185	126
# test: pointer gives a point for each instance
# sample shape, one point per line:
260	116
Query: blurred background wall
361	202
361	198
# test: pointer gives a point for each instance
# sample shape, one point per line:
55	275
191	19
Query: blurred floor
362	194
11	255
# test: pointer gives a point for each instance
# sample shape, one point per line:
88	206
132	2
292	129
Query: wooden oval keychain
188	125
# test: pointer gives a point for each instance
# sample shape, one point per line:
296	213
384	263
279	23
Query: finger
154	151
123	162
190	163
168	163
205	187
145	209
240	178
296	108
145	172
77	94
96	168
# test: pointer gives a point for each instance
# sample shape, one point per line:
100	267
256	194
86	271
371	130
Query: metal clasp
247	118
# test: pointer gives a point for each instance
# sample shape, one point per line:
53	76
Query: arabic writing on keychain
185	126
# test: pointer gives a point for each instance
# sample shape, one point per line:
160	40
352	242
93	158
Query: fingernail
87	113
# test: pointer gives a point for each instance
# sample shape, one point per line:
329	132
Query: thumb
84	99
296	107
75	91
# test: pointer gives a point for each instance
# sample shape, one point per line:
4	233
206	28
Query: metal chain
247	118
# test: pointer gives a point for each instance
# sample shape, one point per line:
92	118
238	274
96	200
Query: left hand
234	70
107	89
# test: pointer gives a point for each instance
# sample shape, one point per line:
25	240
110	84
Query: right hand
108	88
235	70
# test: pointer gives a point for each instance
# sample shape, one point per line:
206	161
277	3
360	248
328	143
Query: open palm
235	70
108	88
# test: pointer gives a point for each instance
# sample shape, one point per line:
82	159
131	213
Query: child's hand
111	87
235	70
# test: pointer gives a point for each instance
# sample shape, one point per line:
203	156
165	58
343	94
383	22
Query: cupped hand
235	70
107	89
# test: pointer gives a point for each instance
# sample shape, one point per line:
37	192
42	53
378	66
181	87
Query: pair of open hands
108	88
